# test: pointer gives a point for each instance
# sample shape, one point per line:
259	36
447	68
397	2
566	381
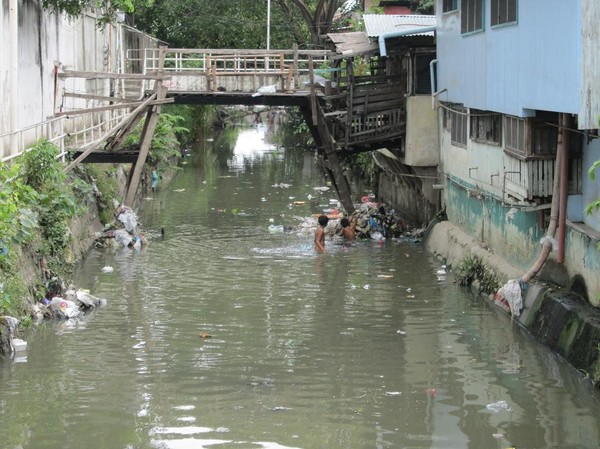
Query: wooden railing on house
533	179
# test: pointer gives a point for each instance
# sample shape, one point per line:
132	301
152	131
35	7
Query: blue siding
513	69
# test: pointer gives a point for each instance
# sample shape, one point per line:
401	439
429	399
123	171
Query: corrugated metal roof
355	42
378	24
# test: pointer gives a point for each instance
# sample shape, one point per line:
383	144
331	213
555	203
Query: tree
213	24
318	16
107	9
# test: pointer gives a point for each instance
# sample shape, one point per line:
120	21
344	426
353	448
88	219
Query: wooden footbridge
344	112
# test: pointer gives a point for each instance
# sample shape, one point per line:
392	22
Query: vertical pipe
14	71
564	187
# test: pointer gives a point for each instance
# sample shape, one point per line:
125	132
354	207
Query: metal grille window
514	135
486	127
471	16
503	11
458	127
422	74
449	5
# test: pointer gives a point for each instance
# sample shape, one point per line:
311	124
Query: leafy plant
107	9
165	145
472	268
17	220
55	200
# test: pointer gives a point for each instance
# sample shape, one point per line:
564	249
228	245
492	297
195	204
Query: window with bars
503	12
533	138
449	5
486	127
514	135
458	127
471	16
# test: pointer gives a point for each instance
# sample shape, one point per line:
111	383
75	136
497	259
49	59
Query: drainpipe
564	188
384	36
14	72
433	80
547	242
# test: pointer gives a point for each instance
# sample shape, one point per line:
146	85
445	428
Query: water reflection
364	346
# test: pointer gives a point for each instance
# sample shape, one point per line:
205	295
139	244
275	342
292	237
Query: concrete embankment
556	317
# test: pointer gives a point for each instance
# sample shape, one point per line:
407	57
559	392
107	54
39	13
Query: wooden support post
147	134
288	83
214	77
313	94
296	72
115	129
208	68
339	179
350	100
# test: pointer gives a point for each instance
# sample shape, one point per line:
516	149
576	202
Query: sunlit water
362	347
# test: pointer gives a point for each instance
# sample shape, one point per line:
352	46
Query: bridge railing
66	132
231	69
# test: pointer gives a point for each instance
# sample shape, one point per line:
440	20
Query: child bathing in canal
320	234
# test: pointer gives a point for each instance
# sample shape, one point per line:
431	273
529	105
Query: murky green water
363	347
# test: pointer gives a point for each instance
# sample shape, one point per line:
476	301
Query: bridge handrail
89	129
194	60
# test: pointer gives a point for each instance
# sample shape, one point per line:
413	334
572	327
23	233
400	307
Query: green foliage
98	181
238	24
17	220
55	200
472	268
594	205
423	6
366	167
164	148
296	132
12	293
106	9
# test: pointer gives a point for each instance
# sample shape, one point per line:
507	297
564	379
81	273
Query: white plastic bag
511	293
67	308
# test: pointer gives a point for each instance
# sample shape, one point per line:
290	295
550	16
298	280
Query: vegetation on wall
165	146
39	202
594	205
366	167
471	269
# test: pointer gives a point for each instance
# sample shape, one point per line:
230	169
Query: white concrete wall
421	148
589	107
29	90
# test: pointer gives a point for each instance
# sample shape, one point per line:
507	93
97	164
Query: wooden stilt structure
147	134
328	147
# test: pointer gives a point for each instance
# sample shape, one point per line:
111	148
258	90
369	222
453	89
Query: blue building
517	80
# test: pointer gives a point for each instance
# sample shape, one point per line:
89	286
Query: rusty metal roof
378	24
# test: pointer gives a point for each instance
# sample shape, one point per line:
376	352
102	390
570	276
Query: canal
227	333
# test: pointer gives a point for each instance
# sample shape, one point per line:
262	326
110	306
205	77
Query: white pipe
384	36
14	71
268	24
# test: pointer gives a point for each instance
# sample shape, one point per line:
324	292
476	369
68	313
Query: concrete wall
513	69
422	146
407	189
34	45
589	107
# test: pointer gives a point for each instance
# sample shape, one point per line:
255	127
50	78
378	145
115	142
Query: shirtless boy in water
349	228
320	234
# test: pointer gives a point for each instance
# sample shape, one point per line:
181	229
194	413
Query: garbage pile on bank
374	222
127	236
